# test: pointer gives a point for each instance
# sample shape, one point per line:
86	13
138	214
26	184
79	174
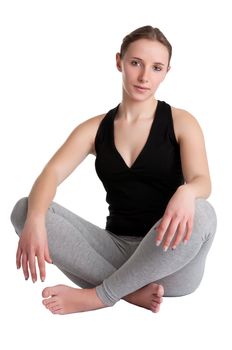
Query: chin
136	97
140	98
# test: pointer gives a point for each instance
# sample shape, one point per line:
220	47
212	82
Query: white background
57	68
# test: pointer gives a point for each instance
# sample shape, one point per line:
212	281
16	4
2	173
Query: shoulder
88	128
184	123
93	122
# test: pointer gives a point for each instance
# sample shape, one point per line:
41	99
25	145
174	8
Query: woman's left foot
63	300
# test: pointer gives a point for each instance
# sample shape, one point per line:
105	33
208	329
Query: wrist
35	217
187	188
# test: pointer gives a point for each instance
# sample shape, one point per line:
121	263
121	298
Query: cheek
129	72
163	75
158	79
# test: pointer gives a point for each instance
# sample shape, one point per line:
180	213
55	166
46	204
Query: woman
152	161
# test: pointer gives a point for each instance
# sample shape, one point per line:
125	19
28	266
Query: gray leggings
119	265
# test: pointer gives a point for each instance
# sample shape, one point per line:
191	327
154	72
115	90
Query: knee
19	214
205	215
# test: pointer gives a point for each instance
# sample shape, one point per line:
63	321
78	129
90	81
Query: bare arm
33	241
177	222
75	149
193	155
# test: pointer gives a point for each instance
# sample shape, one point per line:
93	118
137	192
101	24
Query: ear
118	62
168	69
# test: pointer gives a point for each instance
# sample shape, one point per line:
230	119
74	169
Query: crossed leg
133	274
87	255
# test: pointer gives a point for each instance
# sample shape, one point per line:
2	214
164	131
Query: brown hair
146	32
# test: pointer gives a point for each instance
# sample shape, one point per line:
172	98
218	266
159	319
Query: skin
144	65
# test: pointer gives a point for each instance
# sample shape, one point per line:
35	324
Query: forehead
147	49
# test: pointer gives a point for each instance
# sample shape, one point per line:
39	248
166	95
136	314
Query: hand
177	221
33	243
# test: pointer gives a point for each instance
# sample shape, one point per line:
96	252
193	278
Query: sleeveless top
138	195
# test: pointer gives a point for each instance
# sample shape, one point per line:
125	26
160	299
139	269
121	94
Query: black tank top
138	196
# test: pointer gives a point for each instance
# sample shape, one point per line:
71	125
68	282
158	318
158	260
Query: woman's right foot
148	297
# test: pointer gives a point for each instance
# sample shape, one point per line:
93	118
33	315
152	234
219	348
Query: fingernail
174	247
42	279
26	278
165	248
158	243
185	241
33	280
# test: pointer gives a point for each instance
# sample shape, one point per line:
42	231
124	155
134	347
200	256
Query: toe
48	292
155	307
156	299
52	306
160	291
45	302
58	312
49	302
55	308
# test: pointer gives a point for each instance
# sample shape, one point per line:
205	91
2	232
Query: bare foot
63	300
148	297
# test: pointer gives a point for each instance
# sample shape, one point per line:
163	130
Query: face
144	66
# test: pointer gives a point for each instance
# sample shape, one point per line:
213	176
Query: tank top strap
164	124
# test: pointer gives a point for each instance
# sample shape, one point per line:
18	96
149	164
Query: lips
141	87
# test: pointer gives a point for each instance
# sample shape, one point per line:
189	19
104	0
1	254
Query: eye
157	68
135	63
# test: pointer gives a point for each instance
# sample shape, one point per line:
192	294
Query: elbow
201	186
207	186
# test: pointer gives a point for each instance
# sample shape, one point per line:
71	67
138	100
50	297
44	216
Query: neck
131	110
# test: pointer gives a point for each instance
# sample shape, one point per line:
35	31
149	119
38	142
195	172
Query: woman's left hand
177	221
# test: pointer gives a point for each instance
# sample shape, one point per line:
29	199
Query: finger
47	255
179	234
41	264
171	231
18	257
161	228
25	265
32	267
189	231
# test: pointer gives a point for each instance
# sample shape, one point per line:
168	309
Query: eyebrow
140	59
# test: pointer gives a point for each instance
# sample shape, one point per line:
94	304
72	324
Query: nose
143	76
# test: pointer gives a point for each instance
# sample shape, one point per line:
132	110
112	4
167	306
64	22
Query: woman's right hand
33	244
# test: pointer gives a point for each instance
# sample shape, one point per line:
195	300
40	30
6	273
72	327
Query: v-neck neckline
146	143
